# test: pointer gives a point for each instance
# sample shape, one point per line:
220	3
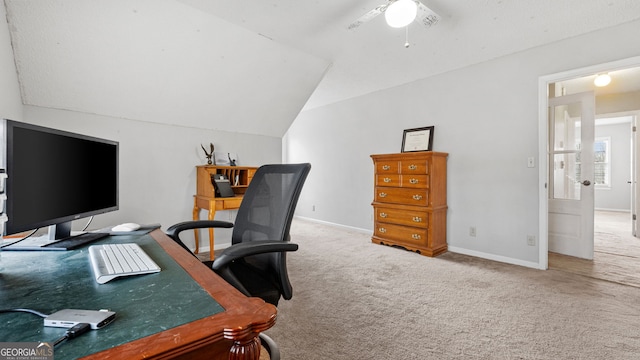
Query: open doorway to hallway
616	252
621	97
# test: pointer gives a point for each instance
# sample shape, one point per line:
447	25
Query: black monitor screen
56	177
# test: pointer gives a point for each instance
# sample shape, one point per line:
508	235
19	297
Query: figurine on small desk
209	154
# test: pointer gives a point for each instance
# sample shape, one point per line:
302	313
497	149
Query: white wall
157	164
485	117
618	196
10	102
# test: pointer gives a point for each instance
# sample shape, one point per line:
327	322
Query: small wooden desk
184	311
205	197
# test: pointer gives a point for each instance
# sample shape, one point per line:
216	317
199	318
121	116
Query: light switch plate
531	162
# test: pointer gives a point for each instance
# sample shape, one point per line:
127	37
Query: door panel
571	195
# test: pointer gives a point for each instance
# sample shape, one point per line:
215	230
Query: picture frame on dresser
417	139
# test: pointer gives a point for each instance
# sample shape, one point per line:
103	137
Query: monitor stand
59	231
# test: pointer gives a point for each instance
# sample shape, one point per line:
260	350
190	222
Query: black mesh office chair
255	263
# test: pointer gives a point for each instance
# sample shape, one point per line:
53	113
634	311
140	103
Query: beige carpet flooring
358	300
616	255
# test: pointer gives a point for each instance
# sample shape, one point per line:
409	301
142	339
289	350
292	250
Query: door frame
635	167
543	142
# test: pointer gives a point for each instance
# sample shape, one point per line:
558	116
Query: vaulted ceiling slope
159	61
250	66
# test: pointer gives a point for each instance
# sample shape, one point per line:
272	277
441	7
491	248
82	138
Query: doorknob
586	183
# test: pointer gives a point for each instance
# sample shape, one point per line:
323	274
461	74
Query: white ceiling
251	66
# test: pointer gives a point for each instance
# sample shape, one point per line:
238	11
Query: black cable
24	238
73	332
88	223
24	310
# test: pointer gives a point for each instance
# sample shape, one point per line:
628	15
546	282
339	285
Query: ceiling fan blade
368	16
426	16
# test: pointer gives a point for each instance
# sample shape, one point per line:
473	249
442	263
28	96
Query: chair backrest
266	213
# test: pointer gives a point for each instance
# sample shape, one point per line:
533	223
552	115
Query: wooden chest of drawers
410	201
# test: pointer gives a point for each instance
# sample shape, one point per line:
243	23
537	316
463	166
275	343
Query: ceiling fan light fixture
602	80
401	13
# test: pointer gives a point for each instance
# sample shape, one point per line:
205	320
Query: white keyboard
110	261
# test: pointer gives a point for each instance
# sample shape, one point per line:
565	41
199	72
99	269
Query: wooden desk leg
212	214
196	216
248	349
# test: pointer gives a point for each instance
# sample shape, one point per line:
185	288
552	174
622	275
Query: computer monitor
55	177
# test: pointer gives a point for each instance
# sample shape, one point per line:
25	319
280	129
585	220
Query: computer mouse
126	227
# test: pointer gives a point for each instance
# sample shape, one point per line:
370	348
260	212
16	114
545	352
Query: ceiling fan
400	13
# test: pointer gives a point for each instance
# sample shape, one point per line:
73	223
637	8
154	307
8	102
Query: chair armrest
241	250
176	229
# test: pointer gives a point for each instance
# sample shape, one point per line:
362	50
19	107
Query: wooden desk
184	311
205	198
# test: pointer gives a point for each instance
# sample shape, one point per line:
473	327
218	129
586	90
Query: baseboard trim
494	257
215	247
614	210
454	249
364	231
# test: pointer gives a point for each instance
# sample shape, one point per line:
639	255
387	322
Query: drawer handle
382	194
414	181
416	236
386	167
413	167
387	180
417	197
382	230
417	219
383	215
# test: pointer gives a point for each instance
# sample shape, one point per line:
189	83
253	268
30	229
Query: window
601	162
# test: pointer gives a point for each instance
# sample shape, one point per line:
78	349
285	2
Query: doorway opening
566	83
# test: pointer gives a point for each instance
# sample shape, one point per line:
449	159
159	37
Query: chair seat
255	281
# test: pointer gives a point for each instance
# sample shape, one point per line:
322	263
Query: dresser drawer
418	197
388	180
402	217
387	167
229	203
415	181
402	234
417	166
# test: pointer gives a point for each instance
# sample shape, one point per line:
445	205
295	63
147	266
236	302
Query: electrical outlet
531	240
472	231
313	208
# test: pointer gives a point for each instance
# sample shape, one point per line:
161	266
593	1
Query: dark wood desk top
185	310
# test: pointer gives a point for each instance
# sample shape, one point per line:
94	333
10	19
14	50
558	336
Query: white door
571	189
